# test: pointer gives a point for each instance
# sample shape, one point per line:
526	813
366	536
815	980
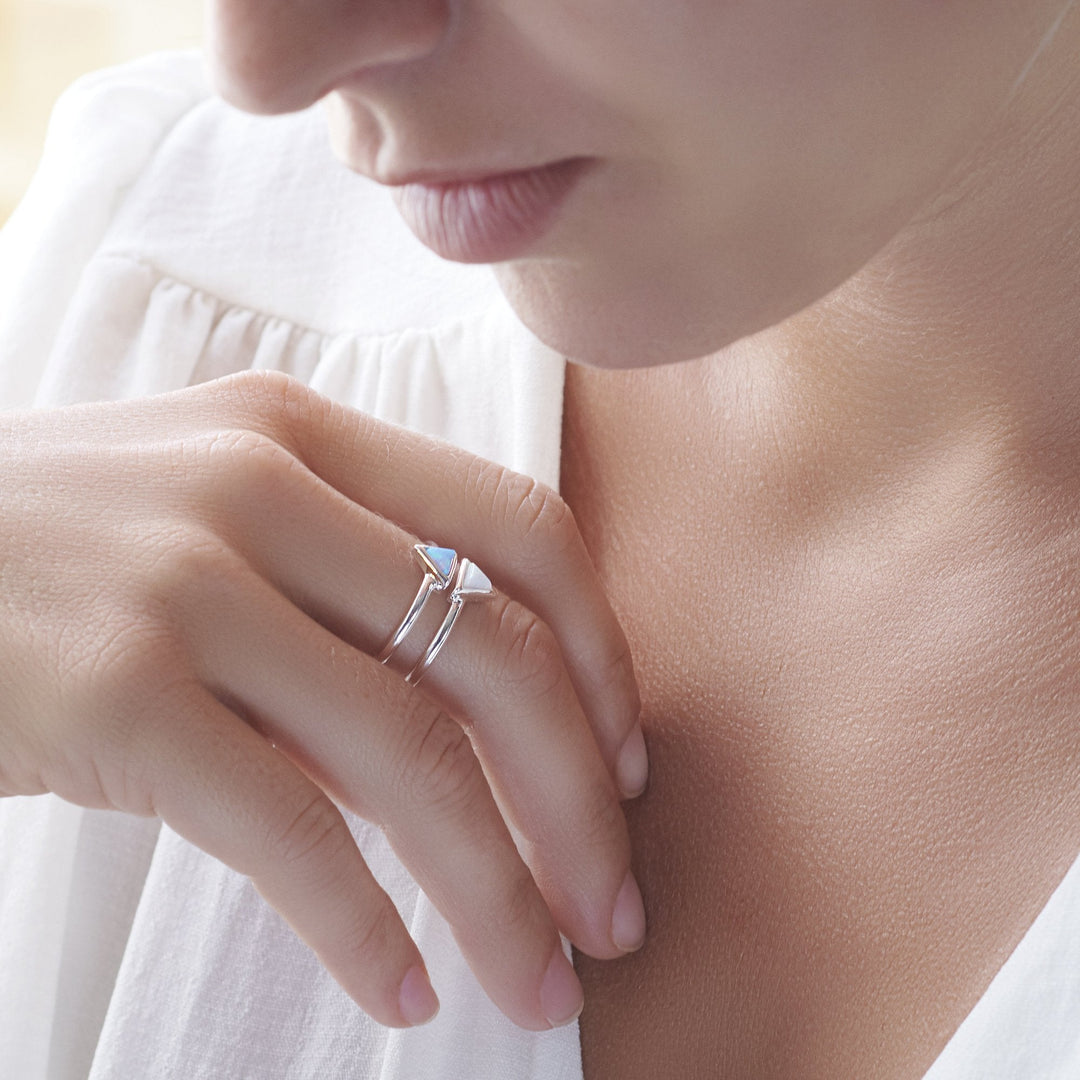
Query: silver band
471	584
440	566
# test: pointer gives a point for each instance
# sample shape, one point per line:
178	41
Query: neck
951	361
967	326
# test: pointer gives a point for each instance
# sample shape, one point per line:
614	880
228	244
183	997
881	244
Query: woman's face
741	158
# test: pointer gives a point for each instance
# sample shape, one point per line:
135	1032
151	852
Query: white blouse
169	239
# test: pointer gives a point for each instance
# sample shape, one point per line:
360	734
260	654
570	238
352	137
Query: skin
855	227
863	728
764	152
195	586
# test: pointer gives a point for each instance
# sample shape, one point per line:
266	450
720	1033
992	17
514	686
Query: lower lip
492	220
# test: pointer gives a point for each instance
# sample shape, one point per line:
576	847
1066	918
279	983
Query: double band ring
440	565
442	570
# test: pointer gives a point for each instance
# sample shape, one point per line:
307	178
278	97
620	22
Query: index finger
222	786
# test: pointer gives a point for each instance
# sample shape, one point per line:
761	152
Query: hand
192	588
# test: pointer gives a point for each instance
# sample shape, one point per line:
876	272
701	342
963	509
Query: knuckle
125	776
264	392
525	506
275	402
372	936
190	559
521	910
542	513
249	464
511	910
117	694
601	820
616	670
314	836
486	480
134	660
443	774
531	658
18	774
21	771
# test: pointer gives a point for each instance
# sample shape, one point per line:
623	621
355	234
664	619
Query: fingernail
417	1000
561	996
632	765
628	919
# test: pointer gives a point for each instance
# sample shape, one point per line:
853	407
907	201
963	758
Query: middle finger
502	674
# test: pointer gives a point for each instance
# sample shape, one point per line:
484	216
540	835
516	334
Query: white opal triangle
472	581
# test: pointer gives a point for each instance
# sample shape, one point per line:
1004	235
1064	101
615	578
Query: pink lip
487	219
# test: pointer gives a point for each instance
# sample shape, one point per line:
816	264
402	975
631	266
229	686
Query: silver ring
440	565
471	584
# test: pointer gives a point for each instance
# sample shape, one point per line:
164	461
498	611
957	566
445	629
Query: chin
629	325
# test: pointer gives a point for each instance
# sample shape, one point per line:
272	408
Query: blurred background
46	44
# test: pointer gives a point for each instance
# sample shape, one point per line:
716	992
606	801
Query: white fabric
169	239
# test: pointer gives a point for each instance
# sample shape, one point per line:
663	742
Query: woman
833	510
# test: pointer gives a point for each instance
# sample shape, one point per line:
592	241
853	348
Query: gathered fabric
168	240
124	950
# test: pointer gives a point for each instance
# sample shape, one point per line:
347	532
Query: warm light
46	44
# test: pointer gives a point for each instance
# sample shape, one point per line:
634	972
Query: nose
275	56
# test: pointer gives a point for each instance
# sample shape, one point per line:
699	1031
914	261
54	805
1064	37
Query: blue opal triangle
443	558
440	560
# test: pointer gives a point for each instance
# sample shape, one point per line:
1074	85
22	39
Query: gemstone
440	561
472	581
